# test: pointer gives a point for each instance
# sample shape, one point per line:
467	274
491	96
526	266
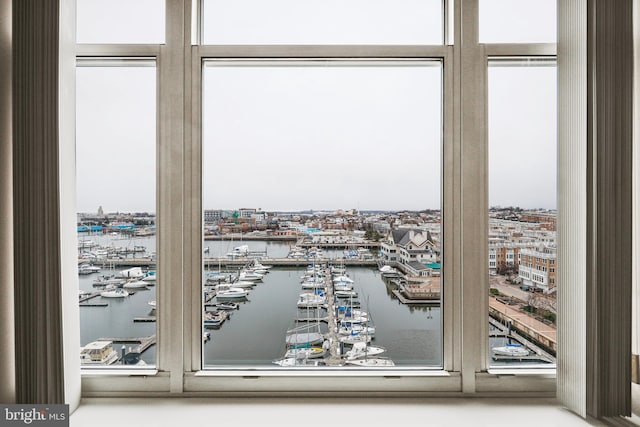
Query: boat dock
431	301
144	342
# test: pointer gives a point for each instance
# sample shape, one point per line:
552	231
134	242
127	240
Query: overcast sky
322	137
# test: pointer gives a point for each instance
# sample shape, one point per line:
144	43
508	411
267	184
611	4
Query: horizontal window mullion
124	50
320	51
515	49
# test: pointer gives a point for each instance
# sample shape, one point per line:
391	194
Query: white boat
313	284
150	276
232	293
388	271
311	299
345	294
152	304
357	329
372	362
304	336
342	279
114	293
98	353
343	287
292	361
255	264
511	350
134	272
239	251
306	353
354	338
135	284
206	336
244	284
214	318
249	276
87	269
108	280
360	349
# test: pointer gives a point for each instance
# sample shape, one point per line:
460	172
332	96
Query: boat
371	362
512	350
114	293
150	276
303	336
206	336
232	293
345	294
136	284
87	269
342	279
98	353
134	272
239	251
360	349
255	264
312	284
108	280
388	271
228	305
343	287
306	353
249	276
214	318
152	304
312	299
354	338
357	328
292	361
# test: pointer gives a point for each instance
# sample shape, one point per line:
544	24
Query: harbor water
254	335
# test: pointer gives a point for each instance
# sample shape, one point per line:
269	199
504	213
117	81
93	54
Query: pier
144	342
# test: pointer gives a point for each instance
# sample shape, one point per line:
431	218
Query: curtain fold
37	260
595	76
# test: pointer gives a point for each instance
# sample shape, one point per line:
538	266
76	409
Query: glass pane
120	21
116	187
518	21
322	22
522	213
330	173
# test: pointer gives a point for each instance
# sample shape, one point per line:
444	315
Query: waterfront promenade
525	323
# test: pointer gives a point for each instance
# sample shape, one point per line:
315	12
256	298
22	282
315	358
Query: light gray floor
449	412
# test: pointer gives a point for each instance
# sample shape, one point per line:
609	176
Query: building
537	268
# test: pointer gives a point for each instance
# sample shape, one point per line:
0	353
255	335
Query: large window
341	144
316	166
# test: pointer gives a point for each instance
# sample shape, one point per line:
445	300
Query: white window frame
179	222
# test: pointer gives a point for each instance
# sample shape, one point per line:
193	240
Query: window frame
179	222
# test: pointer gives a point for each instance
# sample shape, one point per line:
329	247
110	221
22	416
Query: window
120	21
305	140
522	125
115	158
291	133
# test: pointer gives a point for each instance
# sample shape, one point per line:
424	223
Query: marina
409	329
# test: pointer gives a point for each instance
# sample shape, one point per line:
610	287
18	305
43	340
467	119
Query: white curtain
595	82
